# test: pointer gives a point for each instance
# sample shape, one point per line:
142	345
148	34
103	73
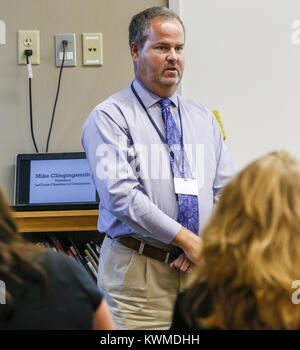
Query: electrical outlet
92	52
70	50
29	40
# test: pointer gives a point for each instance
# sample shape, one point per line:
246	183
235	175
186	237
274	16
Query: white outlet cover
2	33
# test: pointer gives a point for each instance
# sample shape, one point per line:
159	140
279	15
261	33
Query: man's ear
134	49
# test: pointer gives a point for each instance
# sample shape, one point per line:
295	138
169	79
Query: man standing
158	161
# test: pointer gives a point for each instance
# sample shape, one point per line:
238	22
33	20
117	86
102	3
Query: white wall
243	59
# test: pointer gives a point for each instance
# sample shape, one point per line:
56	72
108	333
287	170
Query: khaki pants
140	291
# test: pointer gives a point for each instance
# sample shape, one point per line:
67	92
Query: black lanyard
159	132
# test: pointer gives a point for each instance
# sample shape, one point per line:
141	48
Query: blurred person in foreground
44	290
251	253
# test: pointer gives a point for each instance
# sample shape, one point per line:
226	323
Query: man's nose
172	55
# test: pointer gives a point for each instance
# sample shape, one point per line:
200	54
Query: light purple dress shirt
131	166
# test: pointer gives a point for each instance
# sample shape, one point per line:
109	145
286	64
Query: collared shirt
131	166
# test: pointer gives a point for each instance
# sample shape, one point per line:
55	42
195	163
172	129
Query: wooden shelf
55	221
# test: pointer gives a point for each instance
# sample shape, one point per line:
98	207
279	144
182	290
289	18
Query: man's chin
169	81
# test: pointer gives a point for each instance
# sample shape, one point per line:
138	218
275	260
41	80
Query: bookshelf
74	231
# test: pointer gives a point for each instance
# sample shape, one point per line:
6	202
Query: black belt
148	250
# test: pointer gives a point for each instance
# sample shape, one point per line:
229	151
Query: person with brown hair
251	253
45	290
158	161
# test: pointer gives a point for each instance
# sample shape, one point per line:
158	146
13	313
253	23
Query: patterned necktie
187	204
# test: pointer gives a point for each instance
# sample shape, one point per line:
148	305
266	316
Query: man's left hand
182	263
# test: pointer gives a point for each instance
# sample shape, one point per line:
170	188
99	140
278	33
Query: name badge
186	186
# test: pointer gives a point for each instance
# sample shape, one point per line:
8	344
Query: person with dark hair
43	290
251	254
158	161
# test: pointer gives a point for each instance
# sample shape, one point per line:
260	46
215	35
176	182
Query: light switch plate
70	50
92	51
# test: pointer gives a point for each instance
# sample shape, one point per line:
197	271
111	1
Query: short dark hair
138	28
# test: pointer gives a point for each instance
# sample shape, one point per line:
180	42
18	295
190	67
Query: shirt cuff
164	229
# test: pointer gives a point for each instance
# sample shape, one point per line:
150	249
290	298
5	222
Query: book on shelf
76	252
60	246
92	252
46	245
76	256
53	240
91	267
91	259
85	254
71	255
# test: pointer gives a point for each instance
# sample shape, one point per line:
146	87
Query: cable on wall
64	43
28	53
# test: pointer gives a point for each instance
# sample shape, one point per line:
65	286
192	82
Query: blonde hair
251	249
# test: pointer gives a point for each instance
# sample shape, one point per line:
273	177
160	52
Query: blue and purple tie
188	215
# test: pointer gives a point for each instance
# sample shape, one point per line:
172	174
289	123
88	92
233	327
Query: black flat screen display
55	180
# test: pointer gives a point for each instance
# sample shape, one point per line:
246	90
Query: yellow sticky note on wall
216	113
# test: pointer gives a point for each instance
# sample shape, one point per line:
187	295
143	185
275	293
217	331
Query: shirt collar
148	97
